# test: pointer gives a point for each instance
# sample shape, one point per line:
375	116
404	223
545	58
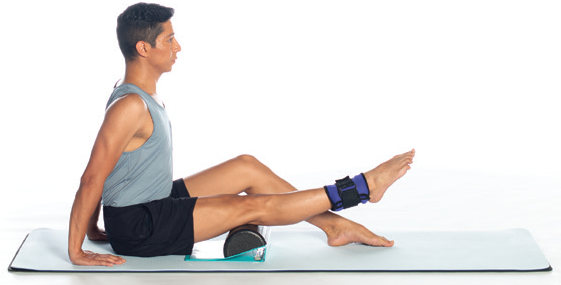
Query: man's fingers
91	259
110	260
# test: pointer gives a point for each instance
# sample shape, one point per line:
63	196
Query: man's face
164	54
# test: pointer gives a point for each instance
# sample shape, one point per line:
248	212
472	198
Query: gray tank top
144	174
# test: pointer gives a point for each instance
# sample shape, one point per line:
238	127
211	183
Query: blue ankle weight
346	192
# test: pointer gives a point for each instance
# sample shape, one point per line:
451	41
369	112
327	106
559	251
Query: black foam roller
242	239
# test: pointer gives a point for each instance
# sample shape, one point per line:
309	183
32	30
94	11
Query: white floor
424	200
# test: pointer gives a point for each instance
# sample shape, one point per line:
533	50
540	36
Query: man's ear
143	48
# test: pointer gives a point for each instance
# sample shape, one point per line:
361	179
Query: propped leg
247	174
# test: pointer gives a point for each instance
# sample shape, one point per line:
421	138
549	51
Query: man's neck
142	77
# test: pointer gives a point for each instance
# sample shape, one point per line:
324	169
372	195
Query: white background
311	88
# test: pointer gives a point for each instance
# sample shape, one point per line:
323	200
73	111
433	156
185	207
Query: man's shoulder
129	101
130	104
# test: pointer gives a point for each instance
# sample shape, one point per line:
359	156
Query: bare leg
246	174
243	174
216	215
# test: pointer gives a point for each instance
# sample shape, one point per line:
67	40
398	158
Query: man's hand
92	259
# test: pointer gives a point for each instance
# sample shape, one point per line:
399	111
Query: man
148	214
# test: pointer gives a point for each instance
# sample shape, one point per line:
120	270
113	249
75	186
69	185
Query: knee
247	159
257	208
249	162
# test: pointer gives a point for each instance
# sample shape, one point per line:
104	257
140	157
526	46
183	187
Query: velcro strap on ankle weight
347	192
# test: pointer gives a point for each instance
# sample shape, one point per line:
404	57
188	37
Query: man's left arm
94	232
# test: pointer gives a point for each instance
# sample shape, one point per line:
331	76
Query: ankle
347	192
373	186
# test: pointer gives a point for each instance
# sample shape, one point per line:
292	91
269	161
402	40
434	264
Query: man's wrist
73	254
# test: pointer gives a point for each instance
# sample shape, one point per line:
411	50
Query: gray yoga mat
45	250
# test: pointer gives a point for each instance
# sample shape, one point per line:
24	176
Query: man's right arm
123	120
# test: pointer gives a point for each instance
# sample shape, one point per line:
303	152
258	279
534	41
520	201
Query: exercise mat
45	250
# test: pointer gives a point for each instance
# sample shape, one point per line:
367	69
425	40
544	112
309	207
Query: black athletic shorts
161	227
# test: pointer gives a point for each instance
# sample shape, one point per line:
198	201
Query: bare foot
347	231
382	177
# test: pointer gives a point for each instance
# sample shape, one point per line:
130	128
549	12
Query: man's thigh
241	174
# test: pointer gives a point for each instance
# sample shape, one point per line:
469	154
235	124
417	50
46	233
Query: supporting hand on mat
89	258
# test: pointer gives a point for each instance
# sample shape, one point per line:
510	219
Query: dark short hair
140	22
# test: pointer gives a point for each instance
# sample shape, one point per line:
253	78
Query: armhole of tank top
154	127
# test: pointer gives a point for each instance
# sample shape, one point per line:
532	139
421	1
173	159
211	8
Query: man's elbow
89	183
